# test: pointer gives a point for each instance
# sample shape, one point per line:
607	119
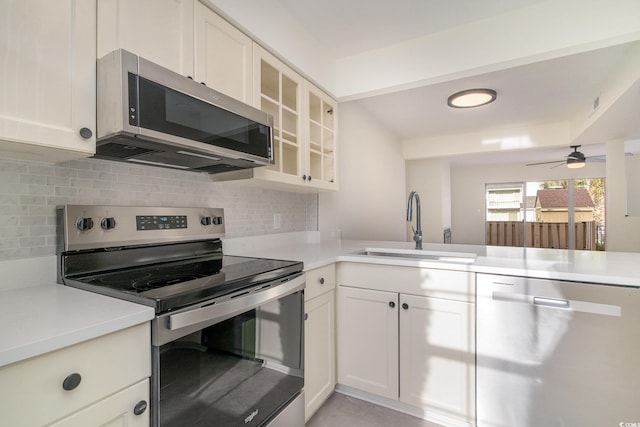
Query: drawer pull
71	382
392	304
321	280
140	407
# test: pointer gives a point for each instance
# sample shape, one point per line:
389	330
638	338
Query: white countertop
39	319
316	250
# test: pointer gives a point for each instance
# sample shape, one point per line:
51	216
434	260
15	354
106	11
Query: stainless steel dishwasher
554	353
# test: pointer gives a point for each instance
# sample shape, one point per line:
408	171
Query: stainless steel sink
424	255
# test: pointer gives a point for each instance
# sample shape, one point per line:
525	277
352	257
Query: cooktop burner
143	279
159	282
169	286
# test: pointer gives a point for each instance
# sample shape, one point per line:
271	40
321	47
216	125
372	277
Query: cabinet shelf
290	138
289	143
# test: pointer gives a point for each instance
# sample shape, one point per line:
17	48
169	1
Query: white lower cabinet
319	344
100	382
368	341
437	355
123	409
416	350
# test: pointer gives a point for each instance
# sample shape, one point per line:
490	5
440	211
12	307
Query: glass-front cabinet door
305	123
279	94
321	149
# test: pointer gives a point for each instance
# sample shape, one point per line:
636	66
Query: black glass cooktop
169	286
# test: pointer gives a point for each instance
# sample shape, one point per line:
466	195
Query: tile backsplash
30	192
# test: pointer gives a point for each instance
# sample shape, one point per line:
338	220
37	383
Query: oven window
239	372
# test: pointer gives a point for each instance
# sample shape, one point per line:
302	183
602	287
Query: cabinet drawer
319	281
116	410
430	282
106	365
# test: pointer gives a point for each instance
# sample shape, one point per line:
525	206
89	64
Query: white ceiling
542	92
347	27
553	90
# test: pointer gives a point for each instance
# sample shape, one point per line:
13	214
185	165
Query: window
563	214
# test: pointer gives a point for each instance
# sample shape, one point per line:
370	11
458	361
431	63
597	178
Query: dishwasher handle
551	302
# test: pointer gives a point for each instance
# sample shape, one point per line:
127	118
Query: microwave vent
120	150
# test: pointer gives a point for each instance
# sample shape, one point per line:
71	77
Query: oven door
245	369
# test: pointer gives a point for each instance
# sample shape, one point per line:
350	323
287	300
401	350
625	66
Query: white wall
468	192
431	179
623	233
30	192
488	140
371	202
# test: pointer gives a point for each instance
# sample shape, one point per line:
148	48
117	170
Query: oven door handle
197	318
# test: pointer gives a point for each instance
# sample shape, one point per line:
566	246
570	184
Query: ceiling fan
574	160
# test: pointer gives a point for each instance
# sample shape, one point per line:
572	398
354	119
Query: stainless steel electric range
227	339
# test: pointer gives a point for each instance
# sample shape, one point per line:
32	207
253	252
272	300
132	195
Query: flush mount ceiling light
472	98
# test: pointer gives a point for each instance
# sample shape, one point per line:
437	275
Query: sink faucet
417	232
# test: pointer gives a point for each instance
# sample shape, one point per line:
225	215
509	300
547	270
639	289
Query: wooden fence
540	234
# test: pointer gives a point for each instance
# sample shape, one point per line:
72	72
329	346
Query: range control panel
99	226
160	222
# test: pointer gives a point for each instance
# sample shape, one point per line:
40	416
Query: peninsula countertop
318	249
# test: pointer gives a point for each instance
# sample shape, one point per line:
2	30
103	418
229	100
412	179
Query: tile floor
345	411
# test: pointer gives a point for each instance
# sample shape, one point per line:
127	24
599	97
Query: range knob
84	224
108	223
217	220
206	220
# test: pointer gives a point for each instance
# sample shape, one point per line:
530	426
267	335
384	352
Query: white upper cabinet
279	93
47	79
305	118
321	119
223	55
158	30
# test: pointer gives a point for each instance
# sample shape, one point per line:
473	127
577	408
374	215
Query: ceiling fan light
575	163
472	98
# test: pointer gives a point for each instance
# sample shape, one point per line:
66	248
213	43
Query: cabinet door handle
392	304
321	280
405	306
86	133
140	407
306	316
72	381
304	177
309	178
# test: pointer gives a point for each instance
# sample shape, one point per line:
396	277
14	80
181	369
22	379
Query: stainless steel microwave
147	114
